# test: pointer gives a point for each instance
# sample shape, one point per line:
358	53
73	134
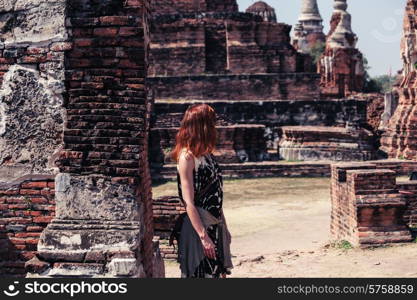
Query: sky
377	23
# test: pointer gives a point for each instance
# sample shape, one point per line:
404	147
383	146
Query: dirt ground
280	228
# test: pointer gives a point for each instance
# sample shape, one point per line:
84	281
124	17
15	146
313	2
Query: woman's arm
186	167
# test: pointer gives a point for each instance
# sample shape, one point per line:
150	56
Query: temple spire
340	5
310	11
342	36
309	29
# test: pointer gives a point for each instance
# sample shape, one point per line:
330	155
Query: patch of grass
343	245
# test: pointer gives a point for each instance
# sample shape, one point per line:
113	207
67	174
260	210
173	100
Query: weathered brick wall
311	143
272	114
236	143
232	47
233	43
106	103
280	113
341	72
26	207
178	47
375	110
32	45
409	191
367	207
398	141
107	106
284	169
192	6
83	62
166	211
260	47
341	65
31	83
300	86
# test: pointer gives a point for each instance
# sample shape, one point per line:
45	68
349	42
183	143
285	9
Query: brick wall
309	143
193	6
26	207
398	141
271	114
367	207
280	113
31	118
107	111
222	43
409	191
166	211
300	86
284	169
236	143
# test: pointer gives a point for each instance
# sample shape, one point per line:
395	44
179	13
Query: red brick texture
236	143
107	103
193	6
166	211
26	207
343	80
399	140
311	143
41	56
367	207
228	55
284	169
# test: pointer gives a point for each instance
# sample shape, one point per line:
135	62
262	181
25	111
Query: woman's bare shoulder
186	154
186	157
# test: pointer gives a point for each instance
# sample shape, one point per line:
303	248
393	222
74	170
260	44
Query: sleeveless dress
208	178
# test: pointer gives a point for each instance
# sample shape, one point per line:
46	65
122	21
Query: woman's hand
208	246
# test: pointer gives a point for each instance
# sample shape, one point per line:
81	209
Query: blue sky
378	24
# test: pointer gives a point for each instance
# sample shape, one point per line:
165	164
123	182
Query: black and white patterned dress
208	178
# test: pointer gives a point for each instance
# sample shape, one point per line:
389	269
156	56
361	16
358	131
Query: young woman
204	243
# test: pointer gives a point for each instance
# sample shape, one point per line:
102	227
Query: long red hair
198	132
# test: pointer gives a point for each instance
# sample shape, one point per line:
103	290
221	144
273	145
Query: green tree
386	82
316	51
377	84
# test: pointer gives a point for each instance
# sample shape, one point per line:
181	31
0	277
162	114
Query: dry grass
252	205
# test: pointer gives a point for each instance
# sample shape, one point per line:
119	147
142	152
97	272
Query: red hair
197	133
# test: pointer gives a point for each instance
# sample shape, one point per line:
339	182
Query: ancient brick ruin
368	208
81	134
211	56
399	139
78	69
371	206
308	32
259	63
341	66
263	10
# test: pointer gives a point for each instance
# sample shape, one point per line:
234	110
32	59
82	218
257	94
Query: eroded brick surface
367	206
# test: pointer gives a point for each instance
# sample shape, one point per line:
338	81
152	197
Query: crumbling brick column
103	223
398	140
367	208
341	65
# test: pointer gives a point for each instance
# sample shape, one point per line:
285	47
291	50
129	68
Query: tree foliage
316	51
377	84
